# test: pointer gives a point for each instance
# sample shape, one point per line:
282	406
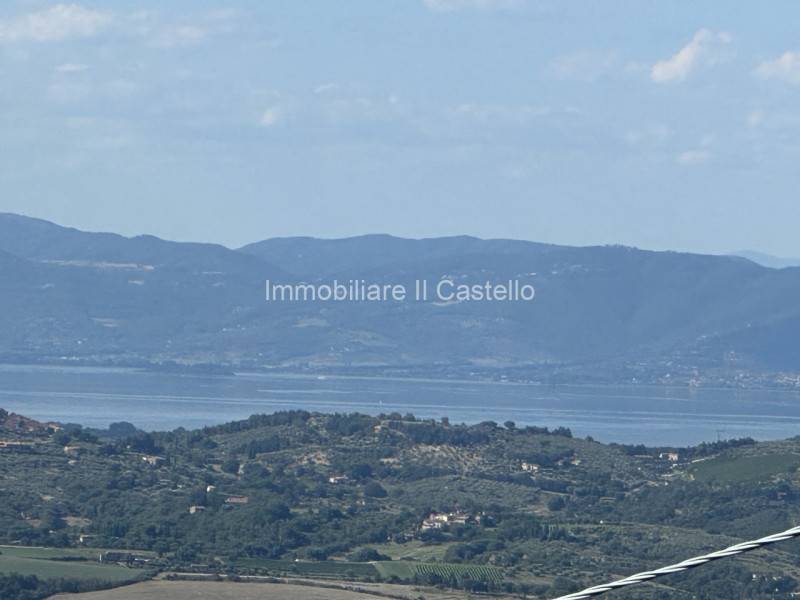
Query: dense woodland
635	315
541	511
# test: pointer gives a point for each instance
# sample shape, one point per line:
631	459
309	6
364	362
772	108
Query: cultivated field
317	569
51	563
738	469
161	589
414	550
408	570
405	570
195	590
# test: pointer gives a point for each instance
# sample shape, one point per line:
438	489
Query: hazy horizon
762	258
557	122
397	296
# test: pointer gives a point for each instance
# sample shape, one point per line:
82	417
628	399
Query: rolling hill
103	296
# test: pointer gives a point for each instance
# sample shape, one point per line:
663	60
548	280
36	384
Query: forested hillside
392	498
103	298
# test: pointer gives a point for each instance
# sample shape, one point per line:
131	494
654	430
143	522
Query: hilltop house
437	520
153	461
237	500
530	467
127	558
15	444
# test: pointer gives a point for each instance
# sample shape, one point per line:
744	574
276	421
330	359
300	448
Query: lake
630	414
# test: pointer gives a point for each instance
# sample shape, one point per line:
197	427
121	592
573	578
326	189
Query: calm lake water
629	414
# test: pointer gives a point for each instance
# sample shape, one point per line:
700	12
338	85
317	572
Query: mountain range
66	294
768	260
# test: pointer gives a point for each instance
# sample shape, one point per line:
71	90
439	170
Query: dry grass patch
214	590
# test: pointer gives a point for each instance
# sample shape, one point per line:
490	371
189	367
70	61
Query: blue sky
655	124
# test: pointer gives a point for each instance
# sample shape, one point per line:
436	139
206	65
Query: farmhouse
237	500
15	445
153	461
14	423
431	524
128	558
338	479
437	520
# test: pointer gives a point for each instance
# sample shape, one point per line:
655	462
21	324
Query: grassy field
402	569
329	568
739	469
407	570
50	563
414	550
193	590
202	590
458	491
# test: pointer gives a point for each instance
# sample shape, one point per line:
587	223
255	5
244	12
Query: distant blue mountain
67	293
767	260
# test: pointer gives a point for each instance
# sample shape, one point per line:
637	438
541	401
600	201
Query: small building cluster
15	445
154	461
230	502
670	456
124	558
437	520
237	500
530	467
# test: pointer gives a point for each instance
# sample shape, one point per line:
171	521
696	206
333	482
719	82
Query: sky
657	124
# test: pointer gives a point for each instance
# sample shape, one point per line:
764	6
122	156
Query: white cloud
67	89
179	35
159	31
699	155
270	117
583	65
54	24
325	88
778	122
706	48
457	5
71	68
121	88
755	118
694	157
655	133
349	102
69	92
785	68
499	114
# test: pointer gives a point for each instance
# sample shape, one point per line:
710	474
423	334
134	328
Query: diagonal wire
690	563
